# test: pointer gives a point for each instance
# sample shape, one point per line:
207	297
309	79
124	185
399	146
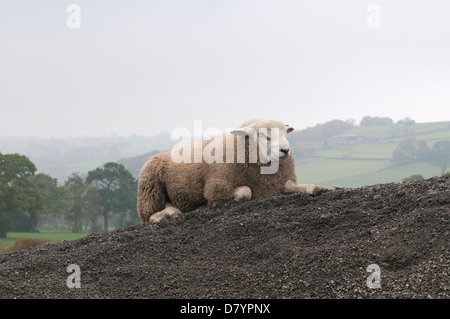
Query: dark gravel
293	246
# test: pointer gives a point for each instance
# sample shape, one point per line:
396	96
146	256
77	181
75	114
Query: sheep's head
269	136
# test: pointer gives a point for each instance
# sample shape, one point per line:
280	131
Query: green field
52	237
356	173
368	162
384	132
364	151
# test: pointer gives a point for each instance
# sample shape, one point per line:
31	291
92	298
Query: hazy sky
142	67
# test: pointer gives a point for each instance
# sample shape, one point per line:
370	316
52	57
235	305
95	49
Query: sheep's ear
245	131
289	129
238	132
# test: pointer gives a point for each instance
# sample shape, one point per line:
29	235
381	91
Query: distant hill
134	164
60	157
335	153
362	155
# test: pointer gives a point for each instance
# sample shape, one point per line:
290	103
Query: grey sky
142	67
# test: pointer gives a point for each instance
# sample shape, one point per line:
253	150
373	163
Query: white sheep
168	187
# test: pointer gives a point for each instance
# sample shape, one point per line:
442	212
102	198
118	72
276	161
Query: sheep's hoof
156	218
169	212
316	190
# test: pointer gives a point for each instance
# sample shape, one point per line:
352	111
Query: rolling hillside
368	161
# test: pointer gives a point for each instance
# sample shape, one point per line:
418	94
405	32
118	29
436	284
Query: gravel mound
292	246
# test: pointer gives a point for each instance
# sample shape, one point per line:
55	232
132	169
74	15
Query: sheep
168	187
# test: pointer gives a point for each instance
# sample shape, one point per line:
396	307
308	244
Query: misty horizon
190	128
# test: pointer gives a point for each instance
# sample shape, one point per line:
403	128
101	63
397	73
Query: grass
322	171
51	237
356	173
393	174
431	138
372	150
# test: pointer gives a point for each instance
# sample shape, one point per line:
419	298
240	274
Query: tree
400	156
53	197
410	145
423	152
406	151
127	212
93	207
116	189
321	132
375	121
8	216
440	155
84	203
76	193
407	121
18	194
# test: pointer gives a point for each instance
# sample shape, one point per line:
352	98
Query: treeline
25	197
412	149
59	157
321	132
368	121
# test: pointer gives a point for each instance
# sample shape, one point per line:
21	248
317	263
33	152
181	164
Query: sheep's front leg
169	212
311	189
